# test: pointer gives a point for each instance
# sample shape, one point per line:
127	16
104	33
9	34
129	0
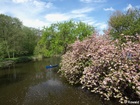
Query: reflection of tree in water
39	75
46	74
41	71
44	90
49	73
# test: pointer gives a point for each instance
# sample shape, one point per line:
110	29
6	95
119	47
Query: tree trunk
65	48
7	50
8	53
13	54
14	50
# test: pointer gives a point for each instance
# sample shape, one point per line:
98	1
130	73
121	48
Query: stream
32	84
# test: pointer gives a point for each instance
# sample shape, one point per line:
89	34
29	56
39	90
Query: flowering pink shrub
104	66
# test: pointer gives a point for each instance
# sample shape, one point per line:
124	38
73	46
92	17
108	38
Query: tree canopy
127	23
15	38
58	36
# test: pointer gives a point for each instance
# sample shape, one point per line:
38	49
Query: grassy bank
7	62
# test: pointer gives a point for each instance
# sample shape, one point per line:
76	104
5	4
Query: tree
2	50
9	32
83	30
30	39
16	39
127	23
58	36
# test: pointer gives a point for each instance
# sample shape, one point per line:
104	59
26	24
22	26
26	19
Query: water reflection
10	76
42	92
52	86
33	84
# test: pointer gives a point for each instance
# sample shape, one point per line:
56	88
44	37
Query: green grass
6	62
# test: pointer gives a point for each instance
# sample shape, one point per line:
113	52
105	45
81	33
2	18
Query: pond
32	84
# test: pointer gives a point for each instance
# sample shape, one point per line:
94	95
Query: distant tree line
15	38
18	40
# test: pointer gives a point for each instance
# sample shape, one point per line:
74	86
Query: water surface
32	84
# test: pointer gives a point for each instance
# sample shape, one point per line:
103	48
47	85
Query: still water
32	84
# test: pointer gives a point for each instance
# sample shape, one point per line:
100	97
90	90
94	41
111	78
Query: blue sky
39	13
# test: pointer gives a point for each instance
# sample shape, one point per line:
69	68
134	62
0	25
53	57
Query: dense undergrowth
109	68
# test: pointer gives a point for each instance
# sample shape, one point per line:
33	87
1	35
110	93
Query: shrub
104	66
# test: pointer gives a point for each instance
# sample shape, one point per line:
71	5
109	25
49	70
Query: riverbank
8	62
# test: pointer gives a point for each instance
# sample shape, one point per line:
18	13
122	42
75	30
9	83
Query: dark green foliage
16	39
9	62
30	39
127	23
9	30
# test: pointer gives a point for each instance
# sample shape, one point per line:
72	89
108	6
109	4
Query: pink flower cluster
110	68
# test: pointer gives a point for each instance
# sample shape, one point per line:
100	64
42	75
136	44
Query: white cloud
83	10
1	12
89	20
36	3
100	27
95	1
77	14
42	4
37	13
128	7
74	14
49	5
20	1
35	23
57	17
39	3
109	9
86	1
30	12
138	6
